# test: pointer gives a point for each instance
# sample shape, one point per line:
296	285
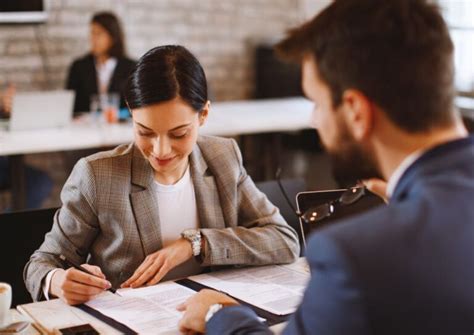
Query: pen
81	268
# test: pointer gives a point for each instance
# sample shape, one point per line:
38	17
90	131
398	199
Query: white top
177	212
177	208
104	74
400	170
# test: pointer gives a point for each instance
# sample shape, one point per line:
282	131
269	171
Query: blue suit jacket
406	268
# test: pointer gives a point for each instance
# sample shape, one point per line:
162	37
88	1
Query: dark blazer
82	79
405	268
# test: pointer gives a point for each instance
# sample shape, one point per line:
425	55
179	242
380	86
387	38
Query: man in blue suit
381	75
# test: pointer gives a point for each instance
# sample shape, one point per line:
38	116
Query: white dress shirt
104	74
400	170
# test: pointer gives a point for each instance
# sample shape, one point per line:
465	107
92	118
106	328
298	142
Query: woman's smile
163	161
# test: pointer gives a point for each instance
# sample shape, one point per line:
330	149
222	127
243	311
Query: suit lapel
92	75
145	204
207	197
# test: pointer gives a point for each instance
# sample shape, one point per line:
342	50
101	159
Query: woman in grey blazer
164	206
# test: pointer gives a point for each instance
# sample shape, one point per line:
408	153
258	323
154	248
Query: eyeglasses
320	212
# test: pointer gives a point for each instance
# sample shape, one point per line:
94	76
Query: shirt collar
400	170
108	65
178	186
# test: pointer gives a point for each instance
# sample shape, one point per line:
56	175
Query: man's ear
358	113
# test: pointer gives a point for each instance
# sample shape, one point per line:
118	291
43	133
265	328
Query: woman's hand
75	287
378	187
157	265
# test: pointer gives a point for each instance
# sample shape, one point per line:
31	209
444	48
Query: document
51	315
277	289
148	310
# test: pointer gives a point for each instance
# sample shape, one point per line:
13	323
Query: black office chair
273	193
21	234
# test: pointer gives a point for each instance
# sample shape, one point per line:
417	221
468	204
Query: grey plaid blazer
109	215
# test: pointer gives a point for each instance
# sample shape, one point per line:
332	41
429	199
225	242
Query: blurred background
232	39
222	34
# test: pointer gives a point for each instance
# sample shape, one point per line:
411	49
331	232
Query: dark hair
111	24
164	73
397	52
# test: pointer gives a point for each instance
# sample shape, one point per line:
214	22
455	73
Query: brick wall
222	33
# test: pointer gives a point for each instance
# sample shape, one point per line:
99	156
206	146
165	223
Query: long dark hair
111	24
164	73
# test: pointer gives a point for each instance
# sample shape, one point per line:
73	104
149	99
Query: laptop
41	110
311	199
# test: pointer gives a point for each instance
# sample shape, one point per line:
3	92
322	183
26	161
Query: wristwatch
194	237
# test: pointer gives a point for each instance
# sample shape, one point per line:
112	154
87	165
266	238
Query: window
459	15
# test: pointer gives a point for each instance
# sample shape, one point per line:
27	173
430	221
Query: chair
22	233
292	188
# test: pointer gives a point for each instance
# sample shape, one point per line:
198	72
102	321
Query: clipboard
54	314
308	199
104	318
50	315
271	319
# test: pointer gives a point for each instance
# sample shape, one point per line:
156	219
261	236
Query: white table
17	316
225	119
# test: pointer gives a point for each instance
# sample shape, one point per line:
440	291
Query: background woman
164	206
105	68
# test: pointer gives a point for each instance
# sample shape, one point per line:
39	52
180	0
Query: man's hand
196	308
76	287
378	187
158	264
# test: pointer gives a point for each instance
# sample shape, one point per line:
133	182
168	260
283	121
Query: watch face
193	236
189	233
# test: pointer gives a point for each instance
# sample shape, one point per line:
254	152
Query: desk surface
17	316
54	314
60	312
225	119
84	317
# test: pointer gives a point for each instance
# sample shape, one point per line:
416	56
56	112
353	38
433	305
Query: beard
350	161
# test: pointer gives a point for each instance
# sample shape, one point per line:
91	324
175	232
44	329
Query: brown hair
111	24
397	52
